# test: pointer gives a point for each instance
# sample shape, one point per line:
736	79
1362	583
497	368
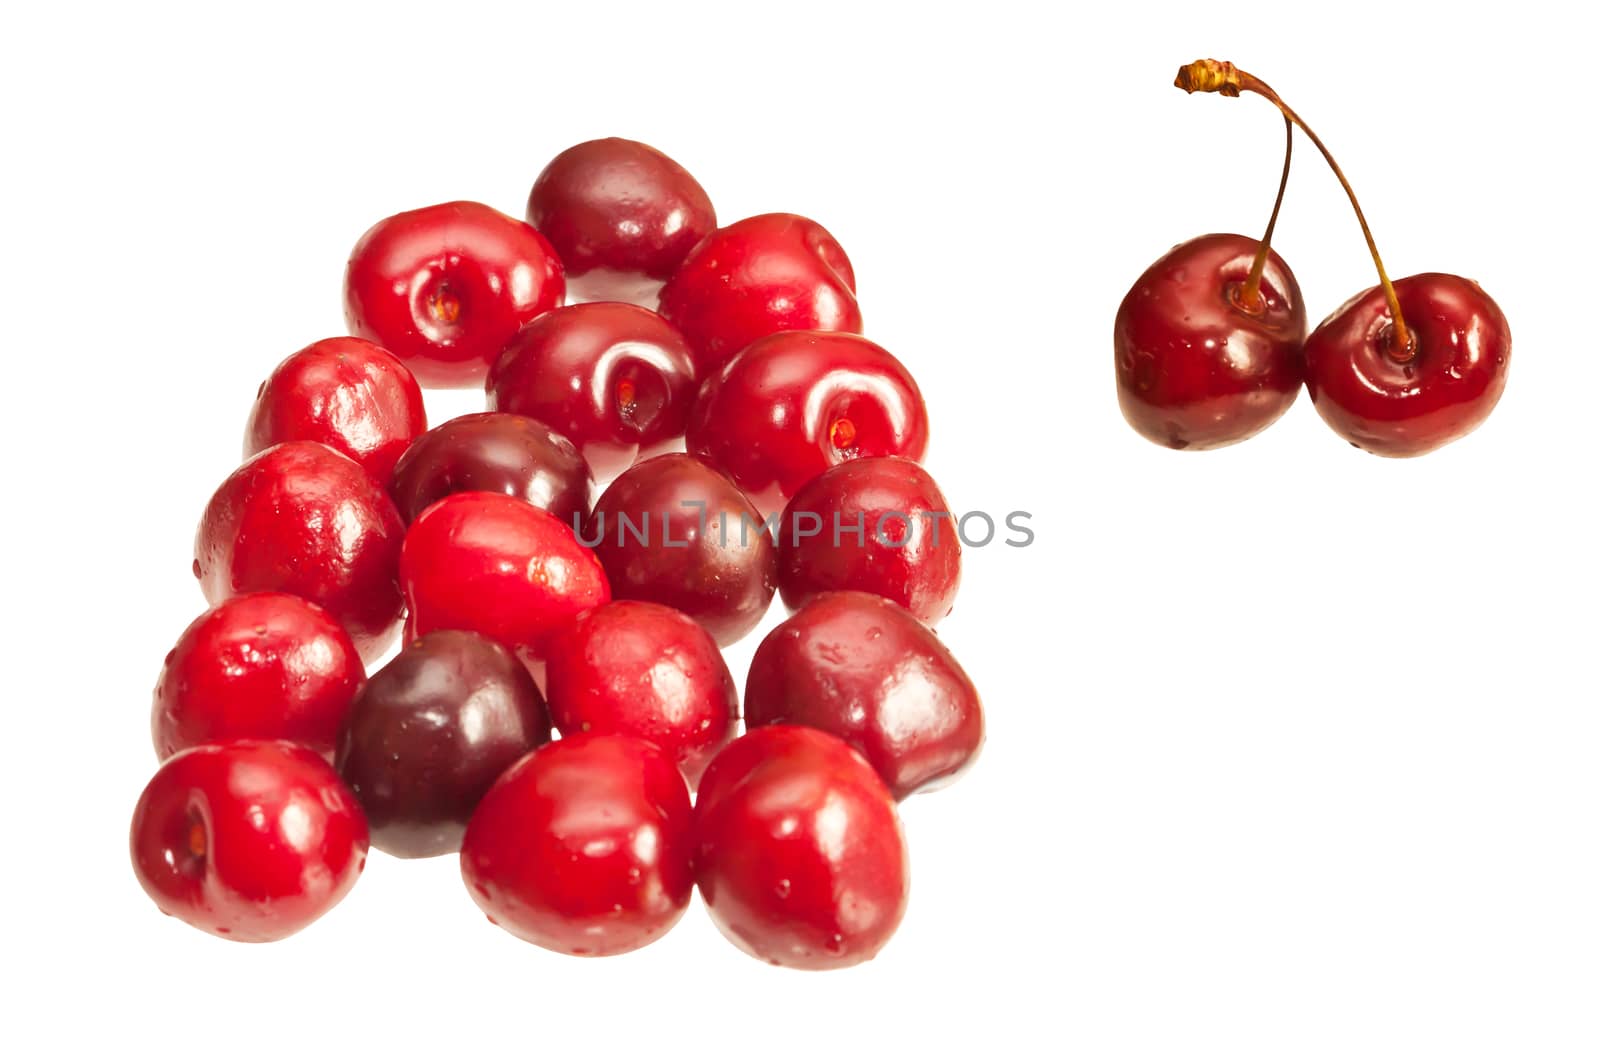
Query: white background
1288	745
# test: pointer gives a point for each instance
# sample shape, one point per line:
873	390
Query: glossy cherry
301	518
258	666
616	379
864	669
621	215
249	840
648	671
880	525
483	561
798	849
760	275
444	287
494	451
348	393
431	732
673	530
583	846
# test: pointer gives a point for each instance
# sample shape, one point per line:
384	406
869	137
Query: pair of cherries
1211	343
530	608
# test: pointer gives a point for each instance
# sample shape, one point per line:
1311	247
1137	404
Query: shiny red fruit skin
1196	371
722	574
301	518
280	839
348	393
864	669
614	378
758	276
444	287
1454	380
907	548
482	561
258	666
494	451
796	403
583	847
799	853
646	671
621	215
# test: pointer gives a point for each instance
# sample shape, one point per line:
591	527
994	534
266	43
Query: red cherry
616	379
347	393
796	403
249	840
258	666
494	451
864	669
1398	403
444	287
672	530
1199	366
621	215
431	732
301	518
880	525
482	561
644	670
760	275
583	847
798	849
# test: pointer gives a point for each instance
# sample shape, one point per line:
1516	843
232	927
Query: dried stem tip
1208	74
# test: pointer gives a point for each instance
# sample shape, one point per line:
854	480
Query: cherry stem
1250	293
1225	79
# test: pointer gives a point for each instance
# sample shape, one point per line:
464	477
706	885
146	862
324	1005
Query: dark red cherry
879	525
864	669
796	403
760	275
1398	402
1197	367
444	287
645	670
494	451
348	393
431	732
583	846
301	518
258	666
798	849
249	840
616	379
672	530
621	215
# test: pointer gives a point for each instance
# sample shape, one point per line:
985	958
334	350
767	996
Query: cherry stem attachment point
1250	293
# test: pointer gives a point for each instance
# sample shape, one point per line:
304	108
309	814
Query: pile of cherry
528	609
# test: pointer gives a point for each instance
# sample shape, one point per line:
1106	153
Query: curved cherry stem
1250	293
1223	78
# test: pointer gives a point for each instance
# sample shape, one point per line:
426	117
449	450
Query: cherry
760	275
799	853
483	561
583	847
348	393
673	530
444	287
1387	386
258	666
431	732
615	378
796	403
301	518
645	670
875	524
494	451
864	669
621	215
249	840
